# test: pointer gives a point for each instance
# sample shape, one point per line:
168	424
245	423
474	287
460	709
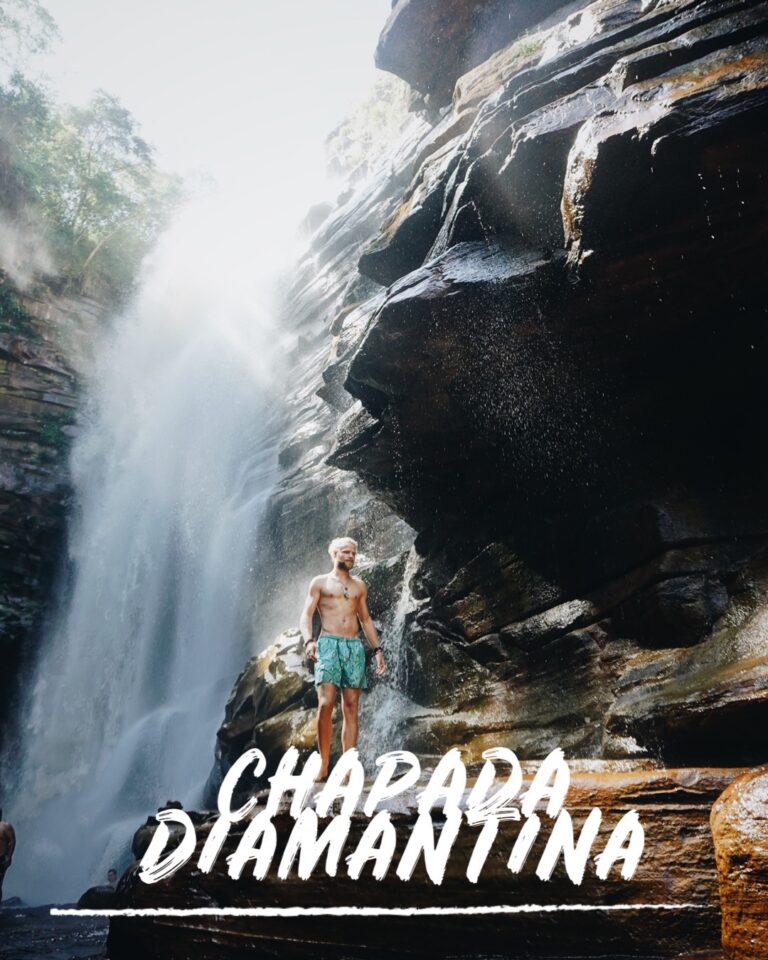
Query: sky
242	90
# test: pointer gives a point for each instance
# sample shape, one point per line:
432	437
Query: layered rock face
327	306
43	340
554	402
461	35
556	389
549	365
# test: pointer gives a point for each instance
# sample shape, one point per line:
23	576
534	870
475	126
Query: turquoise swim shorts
340	661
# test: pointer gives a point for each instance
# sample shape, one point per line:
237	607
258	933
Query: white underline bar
370	911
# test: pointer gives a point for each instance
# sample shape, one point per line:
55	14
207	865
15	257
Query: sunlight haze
244	91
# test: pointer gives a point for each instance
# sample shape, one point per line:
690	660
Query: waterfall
388	706
171	471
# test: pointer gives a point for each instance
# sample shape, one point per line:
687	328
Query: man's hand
310	648
381	665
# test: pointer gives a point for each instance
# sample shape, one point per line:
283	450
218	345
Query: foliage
91	179
13	317
529	44
370	130
52	432
80	184
26	28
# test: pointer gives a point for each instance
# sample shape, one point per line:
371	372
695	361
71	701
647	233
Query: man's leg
350	699
326	701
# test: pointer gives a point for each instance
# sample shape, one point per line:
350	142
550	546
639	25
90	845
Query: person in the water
7	846
338	652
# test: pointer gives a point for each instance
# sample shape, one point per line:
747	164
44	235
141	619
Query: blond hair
339	542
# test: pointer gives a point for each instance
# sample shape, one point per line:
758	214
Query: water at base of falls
171	472
34	935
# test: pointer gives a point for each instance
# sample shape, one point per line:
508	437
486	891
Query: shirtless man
338	652
7	846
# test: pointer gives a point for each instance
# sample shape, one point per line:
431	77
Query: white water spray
171	473
388	707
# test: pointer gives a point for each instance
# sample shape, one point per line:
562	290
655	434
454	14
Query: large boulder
740	829
272	704
98	898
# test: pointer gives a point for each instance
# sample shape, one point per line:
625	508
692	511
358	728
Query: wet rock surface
740	829
537	336
327	307
556	378
273	704
430	43
678	867
42	336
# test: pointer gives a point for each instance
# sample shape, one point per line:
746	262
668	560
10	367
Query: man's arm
305	623
369	629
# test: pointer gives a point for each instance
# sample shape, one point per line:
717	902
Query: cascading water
171	471
388	706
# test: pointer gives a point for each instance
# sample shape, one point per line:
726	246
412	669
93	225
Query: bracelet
307	642
378	650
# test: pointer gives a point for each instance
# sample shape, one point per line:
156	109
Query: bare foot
322	775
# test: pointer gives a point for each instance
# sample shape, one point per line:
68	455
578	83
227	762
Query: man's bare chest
336	592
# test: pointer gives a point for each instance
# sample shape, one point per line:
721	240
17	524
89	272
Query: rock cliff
546	365
44	339
537	336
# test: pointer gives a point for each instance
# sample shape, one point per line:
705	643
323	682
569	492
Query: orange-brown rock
677	868
740	829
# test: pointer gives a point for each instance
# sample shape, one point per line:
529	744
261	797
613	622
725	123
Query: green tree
104	194
359	141
81	178
26	28
91	180
26	126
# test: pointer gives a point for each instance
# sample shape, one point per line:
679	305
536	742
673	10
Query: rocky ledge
677	868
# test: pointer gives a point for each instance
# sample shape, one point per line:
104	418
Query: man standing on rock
338	652
7	846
